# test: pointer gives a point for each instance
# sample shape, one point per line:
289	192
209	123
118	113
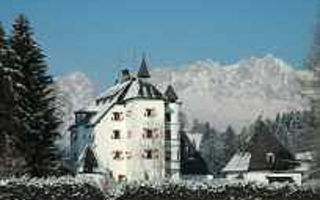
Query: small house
265	160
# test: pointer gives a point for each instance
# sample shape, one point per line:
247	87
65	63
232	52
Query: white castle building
131	131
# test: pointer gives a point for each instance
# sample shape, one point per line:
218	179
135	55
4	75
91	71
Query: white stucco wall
261	177
133	166
232	175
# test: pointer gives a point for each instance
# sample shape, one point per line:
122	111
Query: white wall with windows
130	140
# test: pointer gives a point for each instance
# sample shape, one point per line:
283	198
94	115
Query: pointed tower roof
143	71
171	94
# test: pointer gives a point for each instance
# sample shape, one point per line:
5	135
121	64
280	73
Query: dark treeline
28	121
294	130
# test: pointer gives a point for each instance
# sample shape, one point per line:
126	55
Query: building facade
131	131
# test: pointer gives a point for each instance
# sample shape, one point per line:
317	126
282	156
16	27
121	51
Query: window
121	177
167	135
117	155
116	134
270	157
116	116
80	117
148	133
168	117
148	154
149	112
168	155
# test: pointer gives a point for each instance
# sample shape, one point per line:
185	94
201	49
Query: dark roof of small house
191	159
143	70
171	94
254	157
263	143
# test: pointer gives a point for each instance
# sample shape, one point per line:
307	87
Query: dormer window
270	158
80	117
116	134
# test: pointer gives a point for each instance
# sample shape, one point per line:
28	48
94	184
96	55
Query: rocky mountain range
234	94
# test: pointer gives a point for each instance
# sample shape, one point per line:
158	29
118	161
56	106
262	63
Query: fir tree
12	158
38	102
212	151
230	142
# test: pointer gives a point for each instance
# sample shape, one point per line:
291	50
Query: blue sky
98	36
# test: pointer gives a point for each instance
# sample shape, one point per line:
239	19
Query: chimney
124	75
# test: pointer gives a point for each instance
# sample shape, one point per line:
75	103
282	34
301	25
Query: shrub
62	188
209	191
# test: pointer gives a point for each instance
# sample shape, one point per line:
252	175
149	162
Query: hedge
63	188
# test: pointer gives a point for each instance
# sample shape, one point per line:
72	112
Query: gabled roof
171	94
238	163
263	143
254	158
133	88
143	70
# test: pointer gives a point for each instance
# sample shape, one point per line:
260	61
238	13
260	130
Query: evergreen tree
230	142
242	137
12	158
38	102
212	151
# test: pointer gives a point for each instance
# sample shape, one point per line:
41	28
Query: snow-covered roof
238	163
130	89
195	138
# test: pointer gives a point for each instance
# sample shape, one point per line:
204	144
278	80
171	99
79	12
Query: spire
171	94
143	71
